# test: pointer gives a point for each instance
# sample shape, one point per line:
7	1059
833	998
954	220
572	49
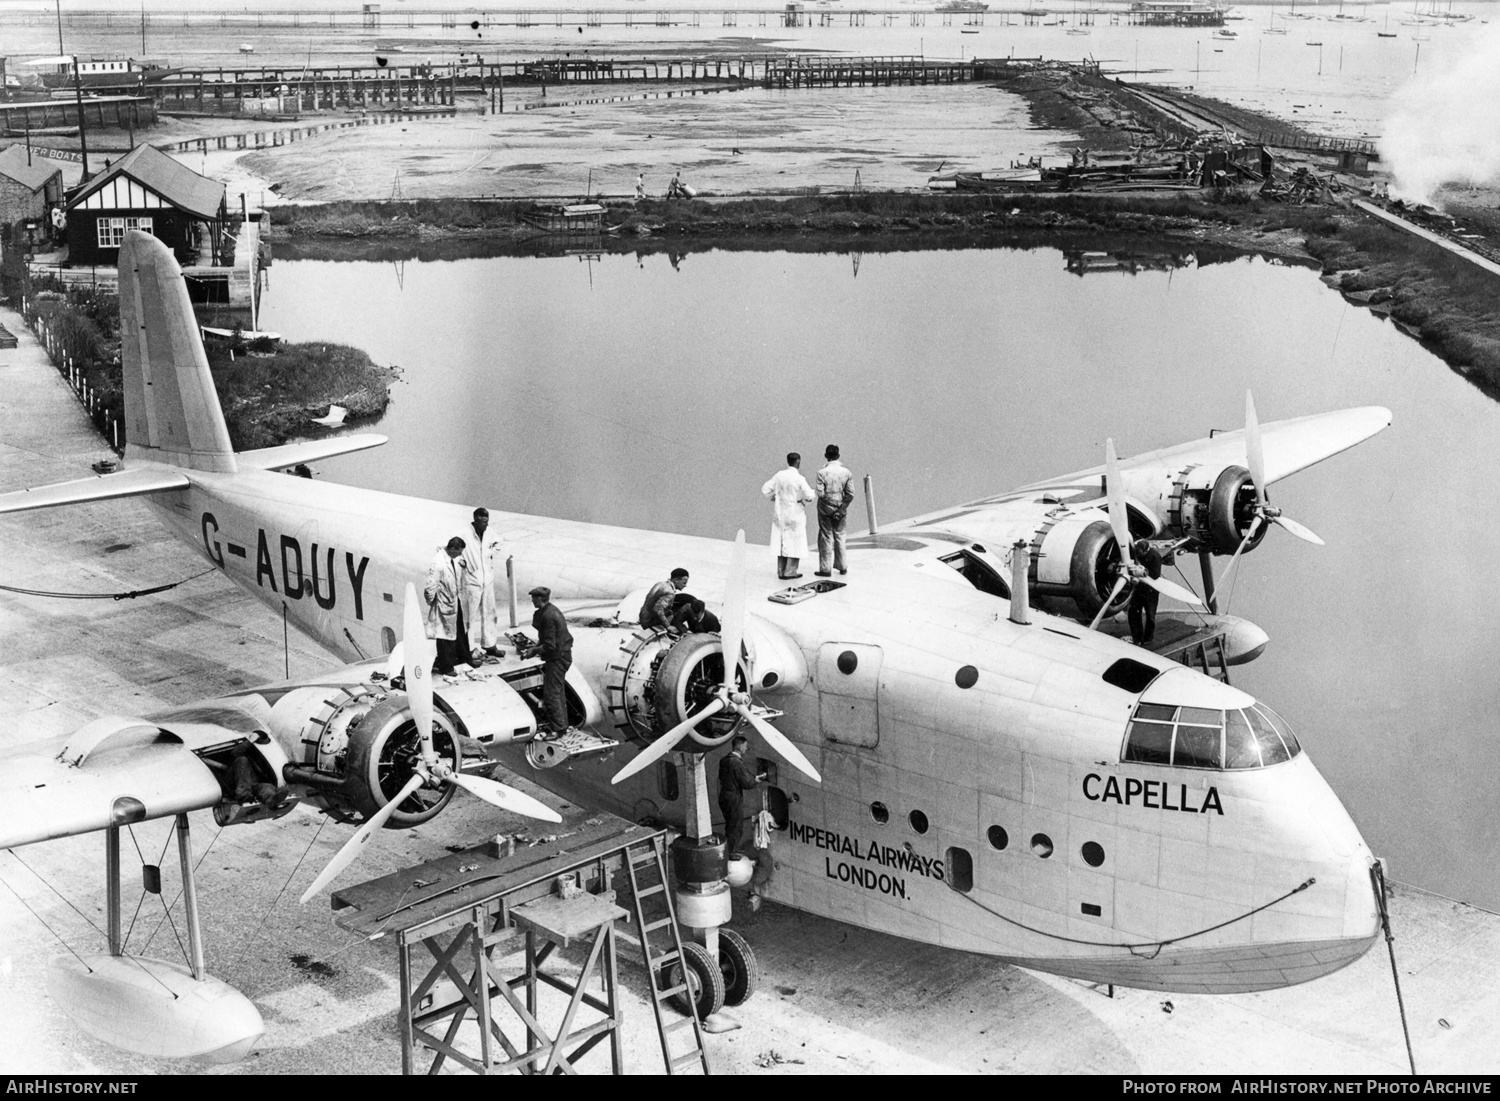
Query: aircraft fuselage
976	792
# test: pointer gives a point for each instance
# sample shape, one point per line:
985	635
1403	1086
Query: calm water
635	391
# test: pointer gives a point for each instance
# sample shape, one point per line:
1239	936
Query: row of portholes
1091	851
916	819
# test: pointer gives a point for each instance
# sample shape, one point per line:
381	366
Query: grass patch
269	399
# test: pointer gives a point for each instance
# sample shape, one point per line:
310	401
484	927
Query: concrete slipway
833	999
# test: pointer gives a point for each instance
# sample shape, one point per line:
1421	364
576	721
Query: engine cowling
360	746
1215	508
662	680
1073	561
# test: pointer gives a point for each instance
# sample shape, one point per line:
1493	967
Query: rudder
172	411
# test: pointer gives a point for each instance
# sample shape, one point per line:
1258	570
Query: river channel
660	392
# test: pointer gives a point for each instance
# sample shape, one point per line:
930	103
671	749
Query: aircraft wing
307	451
1289	445
111	772
126	483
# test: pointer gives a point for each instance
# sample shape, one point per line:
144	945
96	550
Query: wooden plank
443	889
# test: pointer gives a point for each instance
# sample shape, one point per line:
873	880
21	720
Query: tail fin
172	412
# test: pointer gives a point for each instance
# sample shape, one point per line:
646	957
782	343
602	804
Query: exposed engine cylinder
361	748
1217	508
659	681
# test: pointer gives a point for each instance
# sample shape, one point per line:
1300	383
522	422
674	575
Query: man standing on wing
835	493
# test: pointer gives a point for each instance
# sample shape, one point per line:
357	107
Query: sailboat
1387	33
1273	28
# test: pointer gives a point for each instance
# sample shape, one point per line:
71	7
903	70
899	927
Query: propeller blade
1245	542
1255	458
504	796
1119	584
1298	530
1115	493
355	845
1174	590
668	741
733	625
417	659
780	743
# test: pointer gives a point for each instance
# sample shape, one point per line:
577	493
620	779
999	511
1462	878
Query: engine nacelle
361	745
659	681
1215	507
1072	561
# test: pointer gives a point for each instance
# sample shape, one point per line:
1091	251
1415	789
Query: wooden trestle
547	896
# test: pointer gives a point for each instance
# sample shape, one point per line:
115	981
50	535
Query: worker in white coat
481	615
789	493
445	610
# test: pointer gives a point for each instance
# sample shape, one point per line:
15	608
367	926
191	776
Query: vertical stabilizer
172	412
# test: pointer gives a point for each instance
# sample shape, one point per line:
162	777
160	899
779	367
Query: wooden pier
99	112
850	72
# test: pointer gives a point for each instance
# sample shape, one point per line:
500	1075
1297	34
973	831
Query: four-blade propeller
728	696
1129	571
417	652
1264	513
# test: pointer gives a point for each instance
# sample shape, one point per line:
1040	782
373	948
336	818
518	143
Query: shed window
112	230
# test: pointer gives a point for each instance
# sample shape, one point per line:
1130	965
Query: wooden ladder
655	916
1205	655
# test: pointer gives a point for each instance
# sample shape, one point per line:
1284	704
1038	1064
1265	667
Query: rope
290	876
202	857
58	893
43	920
1154	945
1377	882
131	595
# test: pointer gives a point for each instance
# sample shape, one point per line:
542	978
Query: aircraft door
848	693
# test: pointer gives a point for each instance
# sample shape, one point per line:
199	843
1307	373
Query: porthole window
848	662
999	839
1041	844
967	677
1093	853
918	821
880	813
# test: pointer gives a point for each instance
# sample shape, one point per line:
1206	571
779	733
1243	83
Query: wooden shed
148	190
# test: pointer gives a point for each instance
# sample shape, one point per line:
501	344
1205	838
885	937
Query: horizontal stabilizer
307	451
105	487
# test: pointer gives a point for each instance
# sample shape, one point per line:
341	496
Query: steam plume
1445	125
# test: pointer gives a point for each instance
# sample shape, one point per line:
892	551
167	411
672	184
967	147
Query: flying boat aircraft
956	751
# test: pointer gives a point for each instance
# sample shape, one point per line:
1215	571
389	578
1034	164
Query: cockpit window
1200	737
977	572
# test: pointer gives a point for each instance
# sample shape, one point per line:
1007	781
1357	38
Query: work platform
540	896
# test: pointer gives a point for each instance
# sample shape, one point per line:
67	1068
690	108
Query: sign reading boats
1154	794
890	860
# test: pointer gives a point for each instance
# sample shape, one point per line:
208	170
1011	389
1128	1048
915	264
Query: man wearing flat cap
555	645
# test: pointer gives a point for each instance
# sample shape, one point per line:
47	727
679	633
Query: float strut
190	897
112	886
1210	594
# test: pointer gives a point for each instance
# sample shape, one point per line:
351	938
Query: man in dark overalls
1143	597
555	645
735	778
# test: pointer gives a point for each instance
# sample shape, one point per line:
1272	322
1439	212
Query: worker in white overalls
481	617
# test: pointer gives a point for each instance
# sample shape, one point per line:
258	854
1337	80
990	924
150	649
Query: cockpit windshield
1201	737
